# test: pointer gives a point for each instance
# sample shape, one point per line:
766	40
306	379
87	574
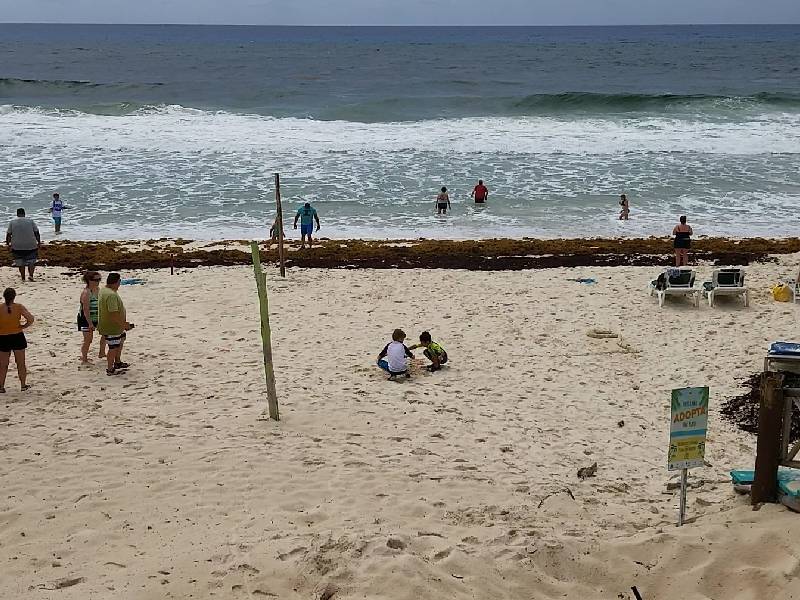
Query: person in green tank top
88	312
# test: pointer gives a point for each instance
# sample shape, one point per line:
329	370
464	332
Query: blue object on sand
788	348
132	281
586	280
788	480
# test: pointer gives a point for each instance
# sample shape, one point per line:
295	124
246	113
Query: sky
402	12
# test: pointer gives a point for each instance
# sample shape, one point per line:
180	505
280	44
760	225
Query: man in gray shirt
23	239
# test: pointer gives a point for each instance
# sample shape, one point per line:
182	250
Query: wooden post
769	442
266	333
280	223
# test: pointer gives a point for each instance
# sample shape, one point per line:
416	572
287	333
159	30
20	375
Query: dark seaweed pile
742	410
476	255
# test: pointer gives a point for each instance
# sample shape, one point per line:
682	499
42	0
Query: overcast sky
402	12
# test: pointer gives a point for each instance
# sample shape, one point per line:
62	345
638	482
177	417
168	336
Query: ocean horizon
176	130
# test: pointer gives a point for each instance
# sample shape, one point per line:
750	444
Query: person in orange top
480	192
14	319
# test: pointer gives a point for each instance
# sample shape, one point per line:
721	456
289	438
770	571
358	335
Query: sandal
27	386
113	372
2	390
121	365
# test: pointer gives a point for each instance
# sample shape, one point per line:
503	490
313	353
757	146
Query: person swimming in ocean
442	202
626	209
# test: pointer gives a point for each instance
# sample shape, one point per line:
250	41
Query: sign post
687	435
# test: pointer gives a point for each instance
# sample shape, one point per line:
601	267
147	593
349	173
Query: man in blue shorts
307	215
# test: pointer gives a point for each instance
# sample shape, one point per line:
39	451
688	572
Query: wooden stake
266	333
769	441
280	223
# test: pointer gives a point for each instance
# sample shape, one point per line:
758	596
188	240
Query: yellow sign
688	426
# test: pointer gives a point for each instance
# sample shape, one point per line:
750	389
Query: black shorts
441	206
14	341
429	355
83	324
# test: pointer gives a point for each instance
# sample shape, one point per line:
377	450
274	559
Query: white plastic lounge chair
678	282
726	282
794	285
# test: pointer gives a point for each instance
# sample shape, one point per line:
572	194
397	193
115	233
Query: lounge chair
726	282
794	285
676	282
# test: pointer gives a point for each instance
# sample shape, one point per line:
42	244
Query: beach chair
726	282
676	282
794	285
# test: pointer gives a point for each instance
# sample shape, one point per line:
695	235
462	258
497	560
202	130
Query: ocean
167	131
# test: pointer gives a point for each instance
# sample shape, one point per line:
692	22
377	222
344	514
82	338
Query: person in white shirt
55	210
392	358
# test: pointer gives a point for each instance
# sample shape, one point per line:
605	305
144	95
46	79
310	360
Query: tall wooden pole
266	333
280	223
769	441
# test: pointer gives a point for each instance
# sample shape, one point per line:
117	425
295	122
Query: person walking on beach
14	320
480	192
24	240
112	323
626	209
442	202
683	241
56	206
273	234
88	312
307	215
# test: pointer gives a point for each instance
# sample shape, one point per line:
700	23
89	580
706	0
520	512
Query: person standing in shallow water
683	241
480	192
442	202
56	206
626	208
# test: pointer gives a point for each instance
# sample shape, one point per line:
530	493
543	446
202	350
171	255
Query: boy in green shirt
433	351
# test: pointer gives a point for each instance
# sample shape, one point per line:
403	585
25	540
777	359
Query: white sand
162	483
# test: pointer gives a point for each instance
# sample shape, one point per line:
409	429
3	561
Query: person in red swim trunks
480	193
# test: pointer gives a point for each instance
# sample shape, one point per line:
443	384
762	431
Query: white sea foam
177	171
174	128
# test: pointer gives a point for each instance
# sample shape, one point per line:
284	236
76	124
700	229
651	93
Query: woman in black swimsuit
683	241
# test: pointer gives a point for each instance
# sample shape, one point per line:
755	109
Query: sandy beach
164	483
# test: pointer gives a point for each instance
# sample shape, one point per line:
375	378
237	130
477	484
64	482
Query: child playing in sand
392	358
433	351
